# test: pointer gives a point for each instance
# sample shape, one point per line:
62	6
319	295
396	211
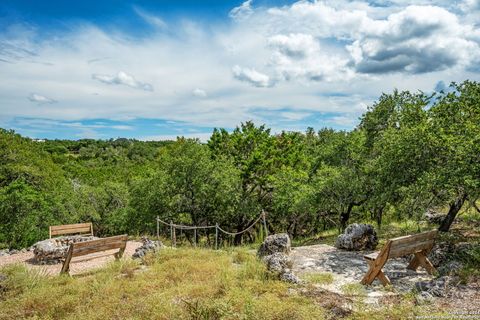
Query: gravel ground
78	264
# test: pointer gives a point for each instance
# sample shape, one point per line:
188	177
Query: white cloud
199	93
243	11
300	56
252	76
417	39
124	79
38	98
310	57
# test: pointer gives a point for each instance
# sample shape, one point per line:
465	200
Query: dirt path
78	265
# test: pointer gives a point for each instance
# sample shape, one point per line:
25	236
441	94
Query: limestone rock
4	252
437	287
275	243
358	237
147	246
278	262
274	253
52	251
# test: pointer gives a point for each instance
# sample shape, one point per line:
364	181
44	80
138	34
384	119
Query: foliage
411	152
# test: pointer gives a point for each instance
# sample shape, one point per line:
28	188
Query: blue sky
160	69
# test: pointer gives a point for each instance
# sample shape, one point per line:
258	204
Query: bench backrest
83	248
80	228
405	245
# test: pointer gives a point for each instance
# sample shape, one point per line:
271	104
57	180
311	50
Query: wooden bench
88	247
80	228
419	245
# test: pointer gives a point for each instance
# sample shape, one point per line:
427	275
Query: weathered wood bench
80	228
419	245
87	247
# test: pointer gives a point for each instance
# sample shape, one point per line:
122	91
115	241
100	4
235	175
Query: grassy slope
176	284
202	284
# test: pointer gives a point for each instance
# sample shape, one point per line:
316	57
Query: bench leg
68	258
414	264
375	272
120	252
421	260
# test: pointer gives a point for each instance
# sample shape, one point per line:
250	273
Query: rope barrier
243	231
174	226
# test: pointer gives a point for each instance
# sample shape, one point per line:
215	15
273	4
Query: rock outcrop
275	243
358	236
52	251
274	253
147	246
438	287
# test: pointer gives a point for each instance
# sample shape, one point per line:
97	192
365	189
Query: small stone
4	252
13	251
450	268
147	246
358	236
288	276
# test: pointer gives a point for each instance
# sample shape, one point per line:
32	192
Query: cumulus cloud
38	98
418	39
301	56
123	79
329	41
199	93
252	76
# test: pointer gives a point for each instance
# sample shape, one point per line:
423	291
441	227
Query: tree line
410	152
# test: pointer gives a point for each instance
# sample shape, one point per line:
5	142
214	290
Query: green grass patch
322	278
354	289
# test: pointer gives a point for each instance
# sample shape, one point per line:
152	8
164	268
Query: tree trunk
452	213
345	216
378	216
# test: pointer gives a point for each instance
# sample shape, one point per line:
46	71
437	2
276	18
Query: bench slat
400	251
98	242
428	235
70	231
71	226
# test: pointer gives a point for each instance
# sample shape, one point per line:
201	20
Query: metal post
158	228
264	223
195	237
216	236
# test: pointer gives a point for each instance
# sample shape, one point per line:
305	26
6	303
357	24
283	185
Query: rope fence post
264	223
158	228
195	237
171	232
174	237
216	236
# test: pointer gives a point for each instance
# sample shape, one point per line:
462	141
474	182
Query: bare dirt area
78	264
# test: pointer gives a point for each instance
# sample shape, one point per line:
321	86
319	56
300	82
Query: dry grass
177	284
